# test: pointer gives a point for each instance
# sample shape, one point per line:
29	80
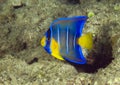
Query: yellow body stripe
86	41
55	49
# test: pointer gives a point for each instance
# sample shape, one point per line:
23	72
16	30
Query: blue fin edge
83	60
68	18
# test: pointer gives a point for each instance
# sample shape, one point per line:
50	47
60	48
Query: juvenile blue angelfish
64	39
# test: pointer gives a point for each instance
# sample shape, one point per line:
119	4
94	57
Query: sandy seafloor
23	61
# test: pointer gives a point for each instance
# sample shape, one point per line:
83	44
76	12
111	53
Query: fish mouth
42	41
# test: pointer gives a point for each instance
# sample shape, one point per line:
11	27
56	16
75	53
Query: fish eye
48	35
48	39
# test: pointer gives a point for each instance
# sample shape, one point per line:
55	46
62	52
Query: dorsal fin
76	23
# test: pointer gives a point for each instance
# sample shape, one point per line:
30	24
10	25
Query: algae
91	14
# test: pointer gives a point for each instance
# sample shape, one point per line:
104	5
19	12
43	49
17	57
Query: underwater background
23	61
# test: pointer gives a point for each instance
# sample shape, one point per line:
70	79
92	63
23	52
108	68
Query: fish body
64	39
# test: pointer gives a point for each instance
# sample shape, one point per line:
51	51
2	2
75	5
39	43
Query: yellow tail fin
86	41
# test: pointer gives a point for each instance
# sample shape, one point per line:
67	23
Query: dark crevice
18	6
24	46
74	1
2	53
33	61
20	46
98	0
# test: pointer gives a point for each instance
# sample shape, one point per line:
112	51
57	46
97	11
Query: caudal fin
86	41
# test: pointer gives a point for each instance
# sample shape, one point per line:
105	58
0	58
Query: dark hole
98	0
2	52
24	46
19	46
102	53
74	1
33	61
18	6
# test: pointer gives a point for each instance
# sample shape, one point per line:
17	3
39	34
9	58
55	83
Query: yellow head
51	46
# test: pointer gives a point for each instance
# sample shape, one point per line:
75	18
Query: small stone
16	3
